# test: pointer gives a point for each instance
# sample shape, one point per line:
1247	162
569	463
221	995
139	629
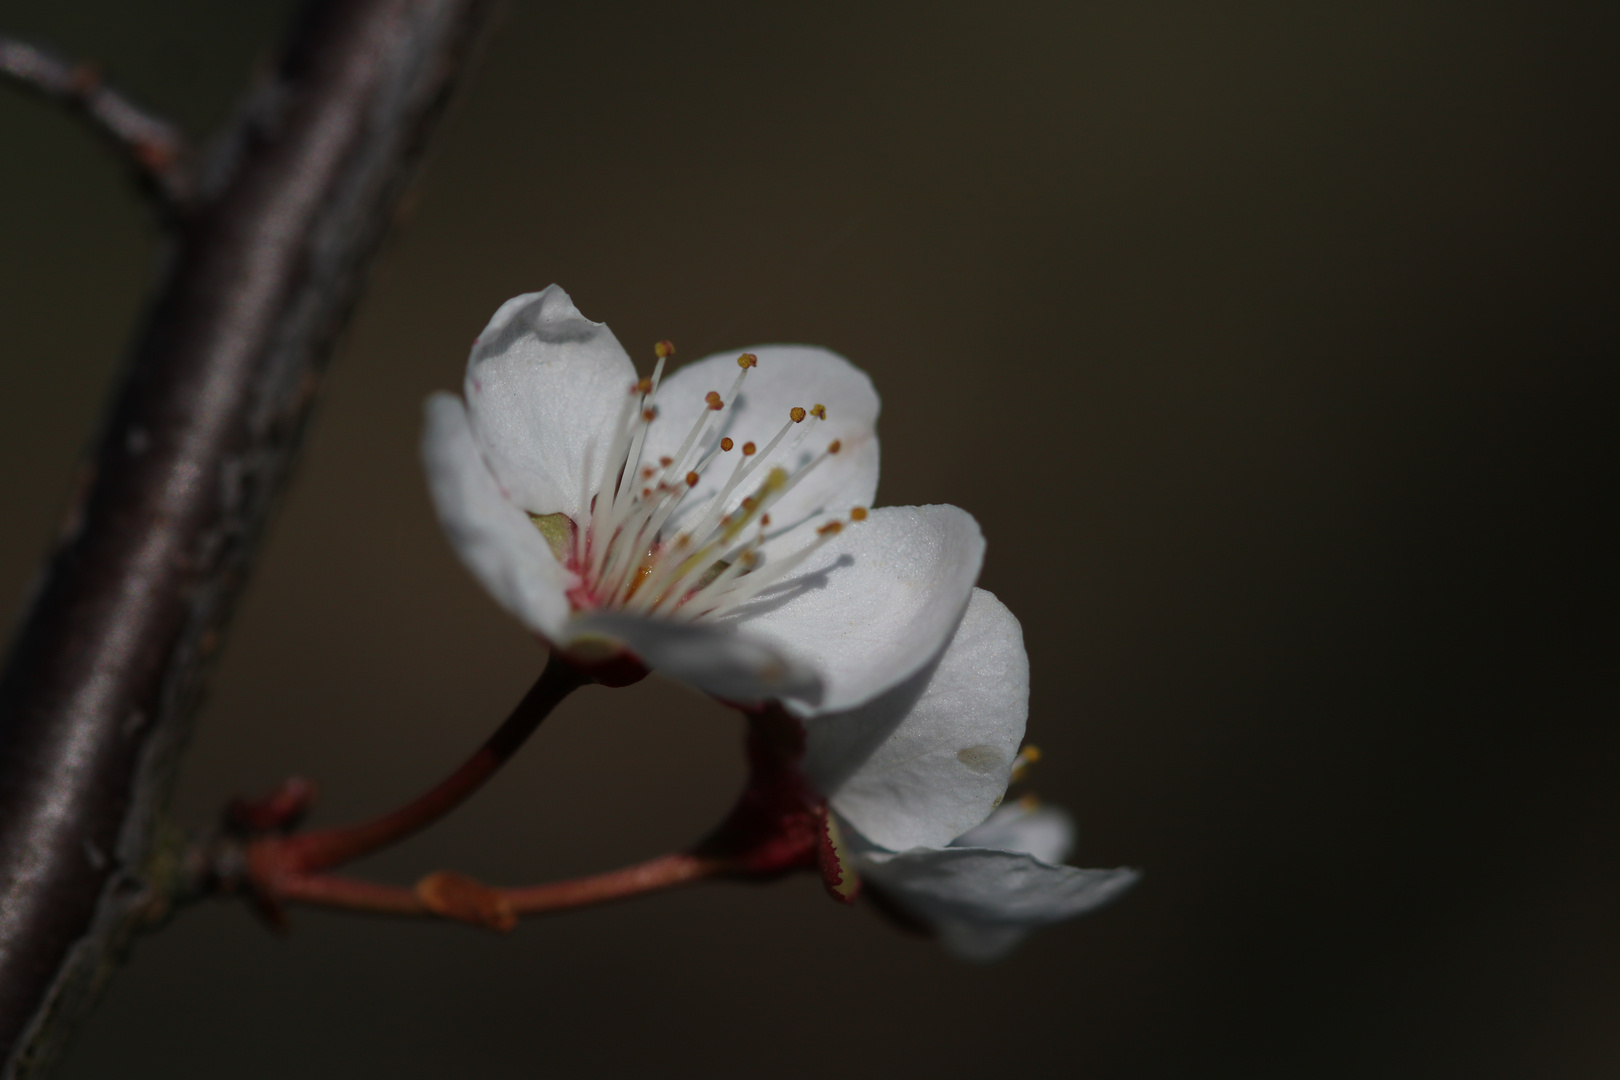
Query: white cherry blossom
712	524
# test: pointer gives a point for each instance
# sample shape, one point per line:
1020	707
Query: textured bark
257	282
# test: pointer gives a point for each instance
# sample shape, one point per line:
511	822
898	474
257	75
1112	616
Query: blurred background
1274	345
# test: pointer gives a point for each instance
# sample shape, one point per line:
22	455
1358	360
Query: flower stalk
283	867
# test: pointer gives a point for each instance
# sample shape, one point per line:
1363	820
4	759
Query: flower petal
787	376
873	605
983	901
545	388
929	759
1041	830
494	538
715	659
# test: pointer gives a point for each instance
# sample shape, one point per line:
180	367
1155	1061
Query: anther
1028	756
713	398
765	521
858	514
832	528
726	444
819	412
664	349
835	446
748	449
747	360
692	479
648	472
643	386
650	413
797	414
666	462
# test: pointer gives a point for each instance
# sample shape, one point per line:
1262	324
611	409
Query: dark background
1274	345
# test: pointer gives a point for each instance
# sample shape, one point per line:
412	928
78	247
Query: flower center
627	555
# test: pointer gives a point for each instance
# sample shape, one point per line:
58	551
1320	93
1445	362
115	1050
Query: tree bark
258	279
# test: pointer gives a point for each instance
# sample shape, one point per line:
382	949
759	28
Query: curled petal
984	901
494	538
545	389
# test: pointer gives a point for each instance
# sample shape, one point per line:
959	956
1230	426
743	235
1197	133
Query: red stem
354	894
318	849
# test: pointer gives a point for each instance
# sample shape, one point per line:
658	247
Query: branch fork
779	825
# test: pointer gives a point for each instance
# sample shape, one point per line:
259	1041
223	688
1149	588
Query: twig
153	146
452	896
97	694
323	848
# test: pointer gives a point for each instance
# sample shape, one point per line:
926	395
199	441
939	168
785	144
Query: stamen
858	514
1028	756
773	573
664	349
671	584
726	444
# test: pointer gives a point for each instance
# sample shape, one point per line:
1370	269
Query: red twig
353	894
303	853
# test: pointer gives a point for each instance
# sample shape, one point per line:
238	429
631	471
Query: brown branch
97	694
153	146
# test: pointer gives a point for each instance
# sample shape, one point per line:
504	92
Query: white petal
787	376
874	604
715	659
545	385
928	760
496	540
1046	832
984	901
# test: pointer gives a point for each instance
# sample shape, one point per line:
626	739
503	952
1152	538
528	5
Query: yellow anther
747	360
664	349
796	414
819	412
713	398
726	444
643	386
748	449
1028	756
858	514
835	446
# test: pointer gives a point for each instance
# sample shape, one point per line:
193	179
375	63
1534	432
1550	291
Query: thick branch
96	697
152	145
